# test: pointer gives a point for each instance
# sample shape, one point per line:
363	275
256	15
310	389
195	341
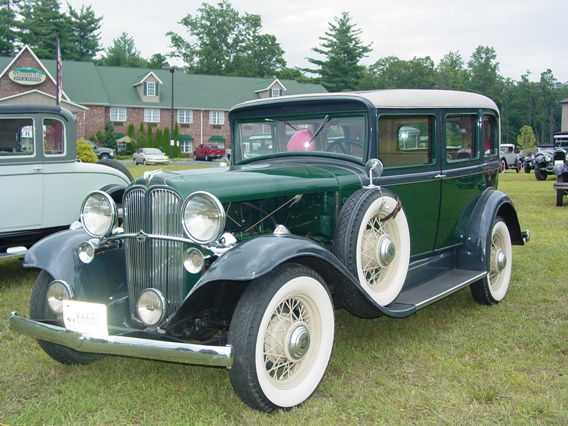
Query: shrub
85	153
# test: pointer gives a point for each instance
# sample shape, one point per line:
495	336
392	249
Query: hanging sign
27	76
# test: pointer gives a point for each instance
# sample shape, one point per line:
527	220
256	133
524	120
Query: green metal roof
88	84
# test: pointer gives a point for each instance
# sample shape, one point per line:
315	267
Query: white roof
402	98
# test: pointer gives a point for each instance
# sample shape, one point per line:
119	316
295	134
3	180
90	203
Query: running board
428	292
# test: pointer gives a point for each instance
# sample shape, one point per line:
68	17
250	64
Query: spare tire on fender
116	165
373	241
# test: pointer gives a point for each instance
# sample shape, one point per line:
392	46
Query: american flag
59	76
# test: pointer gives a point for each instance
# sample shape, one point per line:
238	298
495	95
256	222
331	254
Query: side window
405	140
53	137
16	137
460	137
490	135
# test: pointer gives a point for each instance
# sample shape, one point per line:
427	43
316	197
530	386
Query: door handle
440	176
38	169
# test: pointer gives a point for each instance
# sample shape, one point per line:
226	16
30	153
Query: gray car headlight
203	217
98	214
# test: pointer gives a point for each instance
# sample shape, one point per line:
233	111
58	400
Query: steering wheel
343	146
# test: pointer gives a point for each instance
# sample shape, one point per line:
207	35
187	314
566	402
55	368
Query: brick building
100	95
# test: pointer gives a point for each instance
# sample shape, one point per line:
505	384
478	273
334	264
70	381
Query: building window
274	93
117	114
151	115
151	88
185	116
216	117
186	146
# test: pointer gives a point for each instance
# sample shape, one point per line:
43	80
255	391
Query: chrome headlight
203	217
151	307
57	292
98	214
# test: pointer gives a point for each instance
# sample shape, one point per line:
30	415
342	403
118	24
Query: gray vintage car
380	203
42	184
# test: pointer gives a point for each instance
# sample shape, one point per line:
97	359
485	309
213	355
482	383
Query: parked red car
208	152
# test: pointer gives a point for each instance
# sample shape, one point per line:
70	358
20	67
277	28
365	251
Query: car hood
258	181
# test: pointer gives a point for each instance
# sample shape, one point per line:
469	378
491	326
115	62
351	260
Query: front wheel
39	310
282	335
527	167
492	289
503	166
539	174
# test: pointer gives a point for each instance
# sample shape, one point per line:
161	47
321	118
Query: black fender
477	239
57	255
236	268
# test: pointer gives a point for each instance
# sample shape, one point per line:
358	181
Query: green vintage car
380	203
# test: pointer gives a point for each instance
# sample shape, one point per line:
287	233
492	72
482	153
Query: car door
21	170
462	175
407	150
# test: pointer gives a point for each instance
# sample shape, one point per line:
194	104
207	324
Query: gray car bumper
184	353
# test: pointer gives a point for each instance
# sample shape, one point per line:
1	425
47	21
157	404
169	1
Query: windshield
318	135
152	151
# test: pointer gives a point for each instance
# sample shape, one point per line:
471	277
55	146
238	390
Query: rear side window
490	135
405	140
53	137
460	137
16	137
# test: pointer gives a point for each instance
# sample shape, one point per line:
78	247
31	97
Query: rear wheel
39	310
282	335
503	166
527	168
492	289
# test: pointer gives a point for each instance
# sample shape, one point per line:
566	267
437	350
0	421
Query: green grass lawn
453	363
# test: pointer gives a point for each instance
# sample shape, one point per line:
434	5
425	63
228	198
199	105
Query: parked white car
509	158
149	156
42	184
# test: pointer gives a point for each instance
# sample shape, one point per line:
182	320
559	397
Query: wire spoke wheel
493	288
373	241
282	334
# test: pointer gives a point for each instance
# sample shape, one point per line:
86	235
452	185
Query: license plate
85	317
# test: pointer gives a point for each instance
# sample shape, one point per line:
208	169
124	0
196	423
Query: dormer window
150	88
274	93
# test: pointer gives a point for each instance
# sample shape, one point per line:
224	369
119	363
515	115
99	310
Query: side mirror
374	168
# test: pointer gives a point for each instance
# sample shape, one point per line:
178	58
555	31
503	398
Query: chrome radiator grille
151	262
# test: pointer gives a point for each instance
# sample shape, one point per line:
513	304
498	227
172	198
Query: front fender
233	271
57	255
477	240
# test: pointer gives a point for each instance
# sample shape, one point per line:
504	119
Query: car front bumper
178	352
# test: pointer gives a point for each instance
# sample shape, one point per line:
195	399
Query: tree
40	24
8	27
157	61
394	73
227	43
84	34
484	75
122	53
526	139
343	50
110	137
451	73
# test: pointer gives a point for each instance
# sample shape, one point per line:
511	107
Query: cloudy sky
527	35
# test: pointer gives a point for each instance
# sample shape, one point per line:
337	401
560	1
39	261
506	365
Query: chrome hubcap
298	342
386	251
500	260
